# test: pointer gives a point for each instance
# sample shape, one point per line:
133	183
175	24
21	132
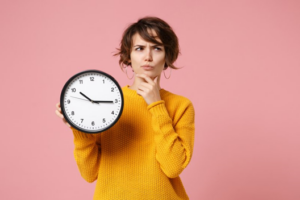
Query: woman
143	154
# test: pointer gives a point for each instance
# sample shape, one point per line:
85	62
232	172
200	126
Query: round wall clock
92	101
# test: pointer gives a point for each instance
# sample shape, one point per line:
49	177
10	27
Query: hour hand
86	97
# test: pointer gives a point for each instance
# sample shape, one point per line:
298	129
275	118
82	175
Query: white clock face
92	102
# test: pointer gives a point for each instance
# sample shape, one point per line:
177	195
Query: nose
148	56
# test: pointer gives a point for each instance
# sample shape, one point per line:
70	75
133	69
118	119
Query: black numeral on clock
93	123
112	112
81	120
112	89
81	81
73	89
103	120
68	101
72	113
103	81
116	100
92	78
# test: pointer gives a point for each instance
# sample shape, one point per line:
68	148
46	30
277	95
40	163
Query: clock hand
103	101
95	101
80	98
86	97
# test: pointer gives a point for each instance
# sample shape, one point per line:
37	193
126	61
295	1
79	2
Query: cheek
161	58
135	57
134	61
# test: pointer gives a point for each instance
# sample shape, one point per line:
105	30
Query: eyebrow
157	45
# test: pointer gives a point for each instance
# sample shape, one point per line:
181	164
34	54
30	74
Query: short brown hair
163	31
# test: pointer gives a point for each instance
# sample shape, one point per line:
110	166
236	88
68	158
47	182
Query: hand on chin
148	88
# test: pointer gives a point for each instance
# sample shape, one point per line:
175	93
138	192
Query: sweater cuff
81	135
158	108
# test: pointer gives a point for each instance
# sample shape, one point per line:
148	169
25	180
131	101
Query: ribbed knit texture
143	154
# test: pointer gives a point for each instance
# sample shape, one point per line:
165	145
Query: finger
59	114
143	88
58	106
140	92
66	122
147	85
59	110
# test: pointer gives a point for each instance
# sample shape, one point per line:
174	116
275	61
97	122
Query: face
146	53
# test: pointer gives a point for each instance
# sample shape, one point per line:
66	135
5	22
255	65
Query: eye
137	49
158	48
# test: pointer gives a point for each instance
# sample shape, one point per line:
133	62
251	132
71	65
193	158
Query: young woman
143	154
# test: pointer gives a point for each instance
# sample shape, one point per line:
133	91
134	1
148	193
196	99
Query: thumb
155	80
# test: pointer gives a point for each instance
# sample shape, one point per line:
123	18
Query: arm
174	145
87	150
87	154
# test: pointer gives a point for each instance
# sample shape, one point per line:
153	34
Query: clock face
92	101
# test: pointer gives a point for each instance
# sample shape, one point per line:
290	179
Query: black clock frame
63	107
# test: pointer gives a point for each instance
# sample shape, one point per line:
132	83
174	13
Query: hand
148	89
59	114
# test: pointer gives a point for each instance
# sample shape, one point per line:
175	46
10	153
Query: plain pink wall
241	71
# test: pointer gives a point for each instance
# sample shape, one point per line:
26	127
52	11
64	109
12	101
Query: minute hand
103	101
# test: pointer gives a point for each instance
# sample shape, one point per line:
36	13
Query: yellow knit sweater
142	155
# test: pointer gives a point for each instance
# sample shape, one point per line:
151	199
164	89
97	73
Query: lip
147	67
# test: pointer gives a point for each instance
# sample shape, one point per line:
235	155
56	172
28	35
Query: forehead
137	39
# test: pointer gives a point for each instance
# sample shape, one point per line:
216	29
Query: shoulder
172	97
176	101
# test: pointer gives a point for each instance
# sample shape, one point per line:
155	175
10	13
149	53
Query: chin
151	75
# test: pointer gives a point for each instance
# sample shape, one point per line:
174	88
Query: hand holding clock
148	89
60	115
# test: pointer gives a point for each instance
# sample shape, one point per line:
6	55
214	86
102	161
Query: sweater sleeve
87	154
174	145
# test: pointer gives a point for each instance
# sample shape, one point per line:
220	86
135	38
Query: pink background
241	71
